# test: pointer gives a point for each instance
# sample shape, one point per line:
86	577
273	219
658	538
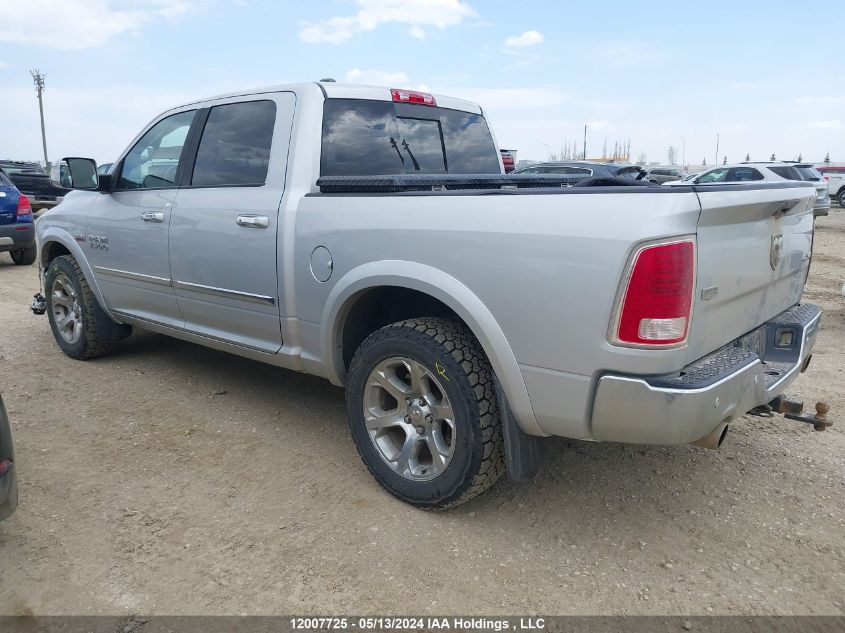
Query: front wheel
841	198
423	414
80	326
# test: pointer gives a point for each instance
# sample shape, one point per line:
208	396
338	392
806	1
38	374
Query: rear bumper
822	206
687	406
15	236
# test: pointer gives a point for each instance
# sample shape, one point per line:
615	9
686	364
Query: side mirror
75	173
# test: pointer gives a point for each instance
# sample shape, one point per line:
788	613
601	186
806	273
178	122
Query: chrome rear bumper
687	406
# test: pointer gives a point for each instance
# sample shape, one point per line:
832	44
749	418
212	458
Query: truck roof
334	90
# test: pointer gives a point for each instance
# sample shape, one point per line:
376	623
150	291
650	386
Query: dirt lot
172	479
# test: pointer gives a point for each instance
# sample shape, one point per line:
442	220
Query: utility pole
585	142
39	78
548	151
716	162
683	152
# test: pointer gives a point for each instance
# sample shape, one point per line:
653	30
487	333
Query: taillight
411	96
656	304
24	212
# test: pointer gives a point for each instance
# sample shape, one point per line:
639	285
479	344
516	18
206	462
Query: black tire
24	256
449	348
100	335
841	198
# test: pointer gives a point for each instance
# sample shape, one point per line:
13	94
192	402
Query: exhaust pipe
713	439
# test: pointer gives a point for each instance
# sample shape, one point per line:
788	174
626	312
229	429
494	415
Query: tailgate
8	205
754	245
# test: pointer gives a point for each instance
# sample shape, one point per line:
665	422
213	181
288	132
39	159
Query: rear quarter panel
546	266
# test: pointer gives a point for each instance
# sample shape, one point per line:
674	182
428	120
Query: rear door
754	244
224	229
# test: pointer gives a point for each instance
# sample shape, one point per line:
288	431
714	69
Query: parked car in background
584	169
835	177
31	180
742	172
508	159
17	232
105	168
765	171
809	173
8	478
660	175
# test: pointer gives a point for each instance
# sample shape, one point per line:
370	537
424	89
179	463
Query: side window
744	174
235	145
717	175
153	161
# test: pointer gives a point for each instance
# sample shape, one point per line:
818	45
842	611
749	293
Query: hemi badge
709	293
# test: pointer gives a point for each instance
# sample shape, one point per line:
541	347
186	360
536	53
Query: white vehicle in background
764	172
835	177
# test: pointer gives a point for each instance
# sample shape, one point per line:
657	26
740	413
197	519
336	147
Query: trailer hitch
793	410
39	304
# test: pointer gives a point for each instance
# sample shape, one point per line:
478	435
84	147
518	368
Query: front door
224	227
127	241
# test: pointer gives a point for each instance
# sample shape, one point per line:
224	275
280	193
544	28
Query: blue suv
17	229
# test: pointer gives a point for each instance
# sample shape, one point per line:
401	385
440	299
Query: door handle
254	221
150	216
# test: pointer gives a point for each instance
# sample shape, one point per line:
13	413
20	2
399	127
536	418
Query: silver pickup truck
370	236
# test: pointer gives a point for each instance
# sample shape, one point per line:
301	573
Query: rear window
367	138
809	173
4	182
785	171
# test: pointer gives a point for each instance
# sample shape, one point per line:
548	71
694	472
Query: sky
766	77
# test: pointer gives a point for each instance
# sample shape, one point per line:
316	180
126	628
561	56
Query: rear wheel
841	198
79	325
422	411
24	256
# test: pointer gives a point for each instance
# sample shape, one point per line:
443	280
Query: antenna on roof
328	80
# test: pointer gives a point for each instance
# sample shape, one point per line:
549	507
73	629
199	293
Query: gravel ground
172	479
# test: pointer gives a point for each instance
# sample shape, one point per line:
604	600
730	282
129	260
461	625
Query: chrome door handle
254	221
150	216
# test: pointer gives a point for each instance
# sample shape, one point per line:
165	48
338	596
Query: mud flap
523	453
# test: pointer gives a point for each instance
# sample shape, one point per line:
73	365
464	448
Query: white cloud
376	77
529	38
82	24
832	125
417	33
601	126
373	13
824	100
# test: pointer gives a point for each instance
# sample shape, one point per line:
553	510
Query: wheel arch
53	243
445	290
